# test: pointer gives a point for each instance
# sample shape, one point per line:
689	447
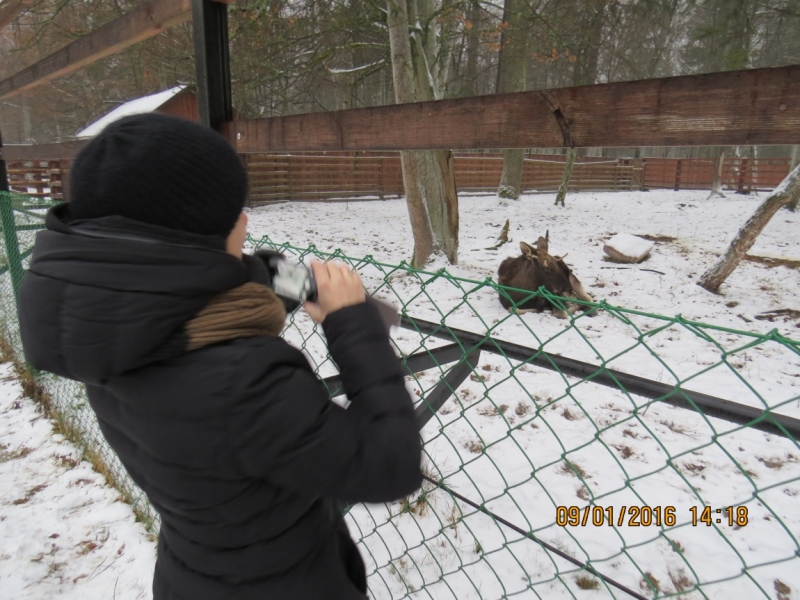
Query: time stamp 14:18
645	516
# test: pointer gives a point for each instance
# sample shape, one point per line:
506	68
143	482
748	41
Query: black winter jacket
237	444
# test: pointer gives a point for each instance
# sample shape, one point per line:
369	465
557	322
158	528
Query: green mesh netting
578	458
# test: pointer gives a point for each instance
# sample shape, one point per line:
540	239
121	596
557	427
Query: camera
292	281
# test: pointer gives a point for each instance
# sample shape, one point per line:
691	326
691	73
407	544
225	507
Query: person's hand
337	286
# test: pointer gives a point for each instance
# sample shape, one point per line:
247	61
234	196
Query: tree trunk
716	184
753	155
511	179
469	86
788	191
511	77
585	73
586	67
428	175
792	206
572	154
637	182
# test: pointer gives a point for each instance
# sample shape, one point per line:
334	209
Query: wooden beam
753	107
145	21
11	9
65	150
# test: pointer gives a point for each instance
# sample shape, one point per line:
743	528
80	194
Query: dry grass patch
649	582
658	238
774	463
587	582
20	453
86	547
675	427
680	580
30	494
694	468
474	446
783	591
490	410
624	451
571	468
66	461
570	415
676	546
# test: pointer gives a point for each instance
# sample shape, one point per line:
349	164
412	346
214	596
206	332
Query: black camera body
292	281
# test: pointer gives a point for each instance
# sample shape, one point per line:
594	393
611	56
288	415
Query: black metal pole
4	186
212	62
13	257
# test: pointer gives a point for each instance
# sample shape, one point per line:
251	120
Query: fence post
4	186
212	62
678	175
13	257
743	174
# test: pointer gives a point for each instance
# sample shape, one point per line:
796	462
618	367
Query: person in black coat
139	289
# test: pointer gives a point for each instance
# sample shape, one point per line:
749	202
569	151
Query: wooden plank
65	150
145	21
753	107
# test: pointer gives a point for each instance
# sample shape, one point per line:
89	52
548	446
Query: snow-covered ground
518	439
701	228
63	532
523	440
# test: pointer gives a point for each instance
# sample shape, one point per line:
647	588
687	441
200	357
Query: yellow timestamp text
645	516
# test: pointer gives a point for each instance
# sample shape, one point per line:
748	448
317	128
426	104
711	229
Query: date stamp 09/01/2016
645	516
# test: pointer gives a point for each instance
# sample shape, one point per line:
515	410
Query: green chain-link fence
614	454
22	216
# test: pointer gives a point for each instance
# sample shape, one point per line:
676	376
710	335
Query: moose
534	269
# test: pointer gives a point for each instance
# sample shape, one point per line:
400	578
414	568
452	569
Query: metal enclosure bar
711	406
4	187
421	361
212	62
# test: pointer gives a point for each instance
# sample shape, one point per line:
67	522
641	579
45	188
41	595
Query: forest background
298	56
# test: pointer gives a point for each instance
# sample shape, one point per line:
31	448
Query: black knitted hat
160	170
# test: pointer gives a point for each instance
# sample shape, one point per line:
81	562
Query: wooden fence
340	175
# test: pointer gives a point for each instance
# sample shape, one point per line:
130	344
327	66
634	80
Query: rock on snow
627	248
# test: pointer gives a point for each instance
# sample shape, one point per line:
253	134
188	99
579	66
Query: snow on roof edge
138	106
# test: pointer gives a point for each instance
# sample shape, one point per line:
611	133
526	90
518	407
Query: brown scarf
249	310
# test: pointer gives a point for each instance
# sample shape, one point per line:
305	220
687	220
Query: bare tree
511	76
428	175
585	73
572	155
792	206
716	184
786	193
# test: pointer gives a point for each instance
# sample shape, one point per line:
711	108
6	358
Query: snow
628	248
139	106
65	534
504	440
340	71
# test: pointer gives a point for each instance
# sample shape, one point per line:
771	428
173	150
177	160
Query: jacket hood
105	296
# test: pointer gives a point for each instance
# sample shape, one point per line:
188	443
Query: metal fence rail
563	459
